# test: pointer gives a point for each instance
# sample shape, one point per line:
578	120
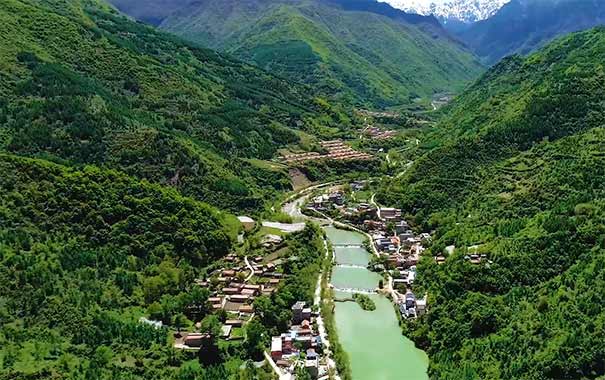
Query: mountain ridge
452	11
522	26
361	53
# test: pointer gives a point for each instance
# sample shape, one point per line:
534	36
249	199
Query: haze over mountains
521	26
359	51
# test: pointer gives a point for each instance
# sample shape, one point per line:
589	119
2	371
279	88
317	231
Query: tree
256	339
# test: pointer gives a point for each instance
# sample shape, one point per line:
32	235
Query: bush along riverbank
339	355
364	302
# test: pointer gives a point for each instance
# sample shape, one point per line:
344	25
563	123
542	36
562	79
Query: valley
301	190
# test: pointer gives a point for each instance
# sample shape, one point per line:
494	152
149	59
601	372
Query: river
377	350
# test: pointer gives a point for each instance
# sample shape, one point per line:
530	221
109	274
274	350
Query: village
234	286
334	150
240	278
397	247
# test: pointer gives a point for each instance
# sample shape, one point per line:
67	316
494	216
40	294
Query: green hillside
515	170
358	56
82	254
114	140
88	86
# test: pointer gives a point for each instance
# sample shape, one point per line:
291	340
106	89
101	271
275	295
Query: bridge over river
355	290
352	266
348	246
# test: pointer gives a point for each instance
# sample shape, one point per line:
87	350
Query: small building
306	313
311	354
246	309
226	331
276	348
249	292
247	222
271	240
234	322
402	227
239	298
421	306
195	339
228	273
230	291
297	312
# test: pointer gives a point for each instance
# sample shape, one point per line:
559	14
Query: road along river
372	339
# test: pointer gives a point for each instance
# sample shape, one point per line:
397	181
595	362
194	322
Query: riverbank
372	340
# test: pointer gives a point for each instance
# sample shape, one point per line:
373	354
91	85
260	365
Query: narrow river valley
372	339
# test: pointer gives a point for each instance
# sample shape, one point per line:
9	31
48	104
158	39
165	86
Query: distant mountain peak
466	11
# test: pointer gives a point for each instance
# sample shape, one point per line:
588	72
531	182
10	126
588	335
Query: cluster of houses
392	237
301	345
324	202
236	295
336	150
402	246
472	257
378	134
234	290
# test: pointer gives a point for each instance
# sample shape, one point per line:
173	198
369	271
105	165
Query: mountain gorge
521	26
361	52
126	153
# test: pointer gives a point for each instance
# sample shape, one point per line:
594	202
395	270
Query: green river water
372	339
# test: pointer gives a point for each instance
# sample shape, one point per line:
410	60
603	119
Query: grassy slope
85	86
517	167
358	56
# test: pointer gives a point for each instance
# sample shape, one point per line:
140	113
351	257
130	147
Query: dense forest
81	84
123	152
85	253
515	171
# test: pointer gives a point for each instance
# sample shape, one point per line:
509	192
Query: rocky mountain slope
452	11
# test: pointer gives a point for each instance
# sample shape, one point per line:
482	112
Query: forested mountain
521	26
111	135
88	86
516	171
362	51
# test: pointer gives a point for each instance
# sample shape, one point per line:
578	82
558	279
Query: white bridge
348	246
350	266
355	290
